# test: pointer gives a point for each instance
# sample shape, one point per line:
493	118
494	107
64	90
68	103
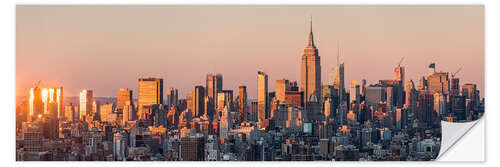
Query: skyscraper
425	108
411	96
69	112
40	99
242	101
374	95
282	86
96	107
423	84
120	146
213	85
469	91
172	96
129	113
472	95
189	100
310	69
262	94
399	74
455	87
124	96
438	82
198	101
224	98
86	101
192	148
439	103
35	104
432	68
209	105
339	83
254	111
354	92
150	91
106	110
32	135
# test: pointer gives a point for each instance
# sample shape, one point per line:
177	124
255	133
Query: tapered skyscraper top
310	69
311	36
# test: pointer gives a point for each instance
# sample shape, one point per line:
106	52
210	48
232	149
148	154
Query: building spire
311	38
338	53
311	23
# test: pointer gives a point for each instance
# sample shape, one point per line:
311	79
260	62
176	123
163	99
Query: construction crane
37	83
455	73
400	61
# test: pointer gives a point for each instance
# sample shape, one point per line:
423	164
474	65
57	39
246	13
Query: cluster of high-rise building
386	120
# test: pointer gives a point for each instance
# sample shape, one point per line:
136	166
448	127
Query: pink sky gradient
106	48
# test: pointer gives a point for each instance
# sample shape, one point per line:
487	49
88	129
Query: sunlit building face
45	94
32	98
40	98
86	99
150	91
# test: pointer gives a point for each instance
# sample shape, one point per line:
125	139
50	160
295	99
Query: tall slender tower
262	95
310	70
399	74
242	101
85	102
198	101
213	85
339	83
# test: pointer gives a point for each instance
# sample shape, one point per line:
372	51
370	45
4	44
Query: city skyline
273	42
371	119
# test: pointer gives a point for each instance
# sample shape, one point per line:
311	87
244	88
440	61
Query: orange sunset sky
106	48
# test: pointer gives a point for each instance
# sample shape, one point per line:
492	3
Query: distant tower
432	68
438	82
422	84
172	96
282	86
455	87
339	83
86	99
354	92
399	74
198	101
124	96
410	96
150	91
262	93
242	100
310	69
213	85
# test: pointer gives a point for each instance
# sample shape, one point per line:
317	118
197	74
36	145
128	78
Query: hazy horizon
105	48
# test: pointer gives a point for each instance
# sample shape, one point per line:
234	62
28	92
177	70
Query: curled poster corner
452	133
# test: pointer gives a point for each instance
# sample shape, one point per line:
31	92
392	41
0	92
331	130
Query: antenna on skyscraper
311	20
37	83
400	61
338	53
456	72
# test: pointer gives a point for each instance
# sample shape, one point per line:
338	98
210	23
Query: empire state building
310	71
